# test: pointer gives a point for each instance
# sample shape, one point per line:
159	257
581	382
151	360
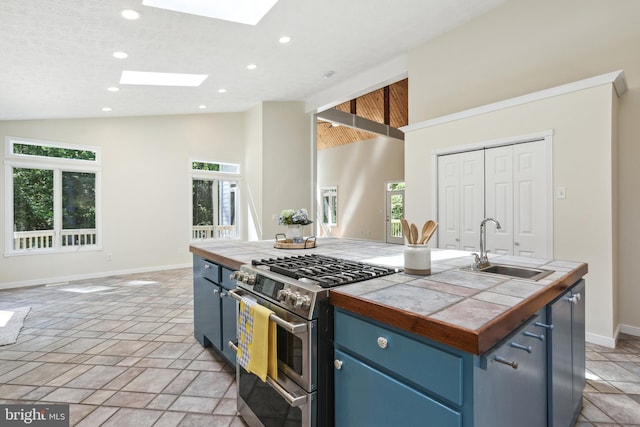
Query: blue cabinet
532	378
385	377
567	356
510	381
214	311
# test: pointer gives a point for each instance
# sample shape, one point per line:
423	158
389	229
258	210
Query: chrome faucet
481	261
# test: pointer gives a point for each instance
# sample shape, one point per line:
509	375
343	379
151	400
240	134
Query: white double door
509	184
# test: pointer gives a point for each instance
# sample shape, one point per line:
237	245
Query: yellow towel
257	351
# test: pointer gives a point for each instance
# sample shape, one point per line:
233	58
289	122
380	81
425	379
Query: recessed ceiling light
252	67
113	89
222	90
161	79
120	55
106	109
284	39
131	14
328	74
202	107
241	11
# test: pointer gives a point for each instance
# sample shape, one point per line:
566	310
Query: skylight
160	79
242	11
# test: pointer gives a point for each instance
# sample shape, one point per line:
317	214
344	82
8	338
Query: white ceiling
56	55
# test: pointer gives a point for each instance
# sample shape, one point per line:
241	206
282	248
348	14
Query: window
52	196
215	190
329	205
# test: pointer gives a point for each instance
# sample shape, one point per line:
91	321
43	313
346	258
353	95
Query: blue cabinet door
206	312
367	397
229	320
567	356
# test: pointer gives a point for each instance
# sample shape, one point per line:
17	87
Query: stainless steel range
296	289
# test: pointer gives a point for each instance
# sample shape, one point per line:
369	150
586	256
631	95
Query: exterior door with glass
395	212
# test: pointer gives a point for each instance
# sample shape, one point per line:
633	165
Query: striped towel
257	352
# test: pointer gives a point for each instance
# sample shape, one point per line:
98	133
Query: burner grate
327	271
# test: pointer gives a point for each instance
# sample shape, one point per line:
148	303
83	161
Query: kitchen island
444	344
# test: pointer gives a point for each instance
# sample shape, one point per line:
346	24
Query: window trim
58	166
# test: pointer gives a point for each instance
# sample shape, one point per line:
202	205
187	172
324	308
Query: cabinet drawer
226	280
211	271
415	361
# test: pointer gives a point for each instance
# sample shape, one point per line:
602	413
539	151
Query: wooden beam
353	106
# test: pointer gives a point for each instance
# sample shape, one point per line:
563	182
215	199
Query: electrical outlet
561	193
109	257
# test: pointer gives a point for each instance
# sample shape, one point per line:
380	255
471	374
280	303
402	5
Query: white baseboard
62	279
630	330
600	340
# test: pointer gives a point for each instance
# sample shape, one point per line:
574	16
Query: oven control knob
303	302
249	279
283	294
292	297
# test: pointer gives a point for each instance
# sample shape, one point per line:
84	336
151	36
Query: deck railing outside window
43	239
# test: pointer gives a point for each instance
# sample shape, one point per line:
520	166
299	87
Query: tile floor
120	350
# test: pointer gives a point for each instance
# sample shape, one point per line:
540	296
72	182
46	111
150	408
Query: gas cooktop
325	270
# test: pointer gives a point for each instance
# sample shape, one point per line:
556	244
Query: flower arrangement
289	216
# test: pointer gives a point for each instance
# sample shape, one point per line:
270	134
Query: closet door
531	200
460	199
499	199
517	196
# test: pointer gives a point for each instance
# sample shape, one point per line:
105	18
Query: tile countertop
463	309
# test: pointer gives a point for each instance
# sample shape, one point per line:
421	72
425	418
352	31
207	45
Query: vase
417	260
294	233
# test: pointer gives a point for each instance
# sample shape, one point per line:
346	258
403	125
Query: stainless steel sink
514	271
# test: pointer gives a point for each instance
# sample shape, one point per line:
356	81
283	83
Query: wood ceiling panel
369	106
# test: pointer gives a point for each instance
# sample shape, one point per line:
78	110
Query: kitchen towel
257	352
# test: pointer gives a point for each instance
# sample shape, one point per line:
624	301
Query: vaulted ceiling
388	105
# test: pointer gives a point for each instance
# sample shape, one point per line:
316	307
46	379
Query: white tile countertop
468	310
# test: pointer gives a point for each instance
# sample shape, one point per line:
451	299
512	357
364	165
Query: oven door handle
294	328
292	400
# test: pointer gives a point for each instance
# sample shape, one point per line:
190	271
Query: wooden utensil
406	230
425	231
431	232
414	234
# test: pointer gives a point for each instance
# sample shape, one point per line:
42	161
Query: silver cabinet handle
543	325
382	342
516	244
532	335
216	290
526	348
499	359
232	346
337	364
207	266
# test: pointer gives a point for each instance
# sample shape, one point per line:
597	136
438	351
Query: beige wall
286	163
525	46
145	189
582	153
360	171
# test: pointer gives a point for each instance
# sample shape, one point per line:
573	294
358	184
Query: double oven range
296	289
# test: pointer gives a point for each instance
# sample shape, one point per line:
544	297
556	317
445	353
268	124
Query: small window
52	196
329	205
216	167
